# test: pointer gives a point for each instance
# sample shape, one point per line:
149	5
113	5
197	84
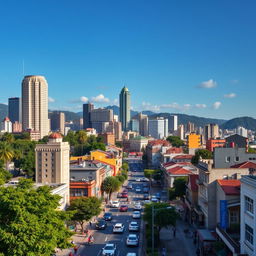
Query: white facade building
158	128
248	217
242	131
6	125
173	123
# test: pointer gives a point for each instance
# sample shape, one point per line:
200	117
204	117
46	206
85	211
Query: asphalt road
101	237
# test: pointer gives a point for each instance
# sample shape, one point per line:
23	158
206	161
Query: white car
136	215
137	206
147	201
114	204
131	254
132	240
133	226
109	250
138	189
138	179
154	199
118	228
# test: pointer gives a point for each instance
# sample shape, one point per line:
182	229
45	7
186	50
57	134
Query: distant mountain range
246	122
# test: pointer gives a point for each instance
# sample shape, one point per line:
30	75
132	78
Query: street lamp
153	217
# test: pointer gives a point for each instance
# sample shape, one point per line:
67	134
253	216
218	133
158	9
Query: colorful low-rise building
194	142
215	143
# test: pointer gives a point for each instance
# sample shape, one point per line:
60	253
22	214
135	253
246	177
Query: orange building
215	143
194	140
82	188
108	138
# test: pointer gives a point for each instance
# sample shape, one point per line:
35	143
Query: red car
123	208
124	195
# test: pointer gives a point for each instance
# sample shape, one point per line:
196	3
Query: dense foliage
203	153
29	222
179	188
84	208
175	141
109	185
83	144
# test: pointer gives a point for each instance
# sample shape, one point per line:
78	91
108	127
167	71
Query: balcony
230	237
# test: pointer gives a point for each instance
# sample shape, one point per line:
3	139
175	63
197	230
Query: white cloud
84	99
216	105
149	106
208	84
200	106
173	105
187	106
100	99
116	102
51	100
230	95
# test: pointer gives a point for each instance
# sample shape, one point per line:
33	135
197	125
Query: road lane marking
106	239
99	253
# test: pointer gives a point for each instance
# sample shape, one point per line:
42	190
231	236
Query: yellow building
194	141
105	157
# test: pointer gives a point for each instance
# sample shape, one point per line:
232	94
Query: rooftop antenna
23	67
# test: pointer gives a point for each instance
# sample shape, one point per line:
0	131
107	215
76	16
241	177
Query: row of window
228	159
249	234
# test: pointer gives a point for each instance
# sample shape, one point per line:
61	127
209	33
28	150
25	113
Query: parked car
138	179
131	254
146	196
109	250
129	186
136	215
132	240
118	228
158	195
146	190
147	202
133	226
124	194
154	199
137	206
101	224
114	204
107	216
138	189
123	208
145	185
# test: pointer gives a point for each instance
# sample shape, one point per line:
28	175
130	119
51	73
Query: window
248	234
237	159
248	204
233	217
227	159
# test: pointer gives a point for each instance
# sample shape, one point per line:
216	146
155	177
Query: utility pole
153	230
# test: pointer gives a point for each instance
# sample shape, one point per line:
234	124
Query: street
101	237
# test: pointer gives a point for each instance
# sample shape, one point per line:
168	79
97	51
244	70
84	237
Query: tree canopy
175	141
204	153
84	209
30	225
109	185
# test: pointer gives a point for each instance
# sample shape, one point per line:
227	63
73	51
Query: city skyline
188	58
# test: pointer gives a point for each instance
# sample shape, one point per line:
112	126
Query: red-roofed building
229	191
170	153
191	199
182	158
250	165
154	151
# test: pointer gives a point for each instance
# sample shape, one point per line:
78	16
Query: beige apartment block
35	104
52	161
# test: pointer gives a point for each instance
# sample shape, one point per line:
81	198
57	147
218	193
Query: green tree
84	208
5	176
29	222
119	144
8	137
71	138
110	185
175	141
120	178
44	140
81	136
180	186
251	150
149	173
6	153
203	153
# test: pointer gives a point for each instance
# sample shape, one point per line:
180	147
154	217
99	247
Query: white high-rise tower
35	104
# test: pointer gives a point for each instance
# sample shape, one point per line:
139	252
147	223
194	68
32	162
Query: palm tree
6	153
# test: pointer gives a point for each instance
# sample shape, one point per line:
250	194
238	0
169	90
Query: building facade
35	104
87	108
6	125
158	128
172	123
58	122
14	109
125	108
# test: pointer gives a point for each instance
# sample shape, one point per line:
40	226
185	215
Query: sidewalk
180	244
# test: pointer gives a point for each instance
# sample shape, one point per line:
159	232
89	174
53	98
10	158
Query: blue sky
194	57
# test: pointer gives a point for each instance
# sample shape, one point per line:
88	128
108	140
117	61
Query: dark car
146	196
158	195
107	216
101	224
145	190
145	185
123	208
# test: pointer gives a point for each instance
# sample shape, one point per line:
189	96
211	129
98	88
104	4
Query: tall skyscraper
87	108
158	128
101	118
125	108
211	131
180	131
173	123
58	122
14	109
35	104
